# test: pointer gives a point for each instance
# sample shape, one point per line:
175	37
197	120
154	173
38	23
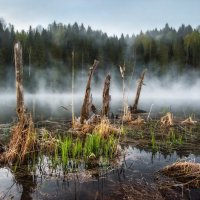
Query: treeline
51	48
167	46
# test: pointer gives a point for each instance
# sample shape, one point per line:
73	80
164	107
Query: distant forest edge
51	48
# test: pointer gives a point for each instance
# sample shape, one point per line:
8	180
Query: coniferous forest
51	49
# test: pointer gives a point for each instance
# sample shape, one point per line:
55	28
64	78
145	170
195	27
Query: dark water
100	183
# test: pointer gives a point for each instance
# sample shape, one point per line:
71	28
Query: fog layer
179	94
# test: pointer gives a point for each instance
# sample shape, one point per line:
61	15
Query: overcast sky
111	16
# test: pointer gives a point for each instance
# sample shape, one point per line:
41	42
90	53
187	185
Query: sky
111	16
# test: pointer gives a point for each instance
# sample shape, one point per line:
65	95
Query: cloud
114	17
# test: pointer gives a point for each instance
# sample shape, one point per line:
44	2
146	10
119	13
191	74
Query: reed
65	147
77	149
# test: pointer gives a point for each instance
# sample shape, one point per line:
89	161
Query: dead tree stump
106	96
86	103
139	88
20	109
23	138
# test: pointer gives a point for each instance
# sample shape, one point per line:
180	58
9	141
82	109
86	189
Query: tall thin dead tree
106	96
20	109
122	71
23	138
73	88
139	88
86	103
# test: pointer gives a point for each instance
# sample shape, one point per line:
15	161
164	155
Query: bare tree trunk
73	118
106	96
20	109
23	138
139	88
86	103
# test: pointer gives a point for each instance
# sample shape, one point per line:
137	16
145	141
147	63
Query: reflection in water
40	181
9	188
26	180
18	183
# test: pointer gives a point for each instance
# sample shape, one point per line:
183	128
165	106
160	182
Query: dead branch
64	108
86	103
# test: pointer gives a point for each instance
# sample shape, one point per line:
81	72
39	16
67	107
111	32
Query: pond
135	167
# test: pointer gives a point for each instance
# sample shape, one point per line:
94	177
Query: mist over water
180	95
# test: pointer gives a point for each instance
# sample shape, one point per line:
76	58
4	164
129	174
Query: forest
51	49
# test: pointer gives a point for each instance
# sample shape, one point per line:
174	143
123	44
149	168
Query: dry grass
167	120
189	121
186	172
98	125
23	140
82	129
105	128
127	114
47	142
138	121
